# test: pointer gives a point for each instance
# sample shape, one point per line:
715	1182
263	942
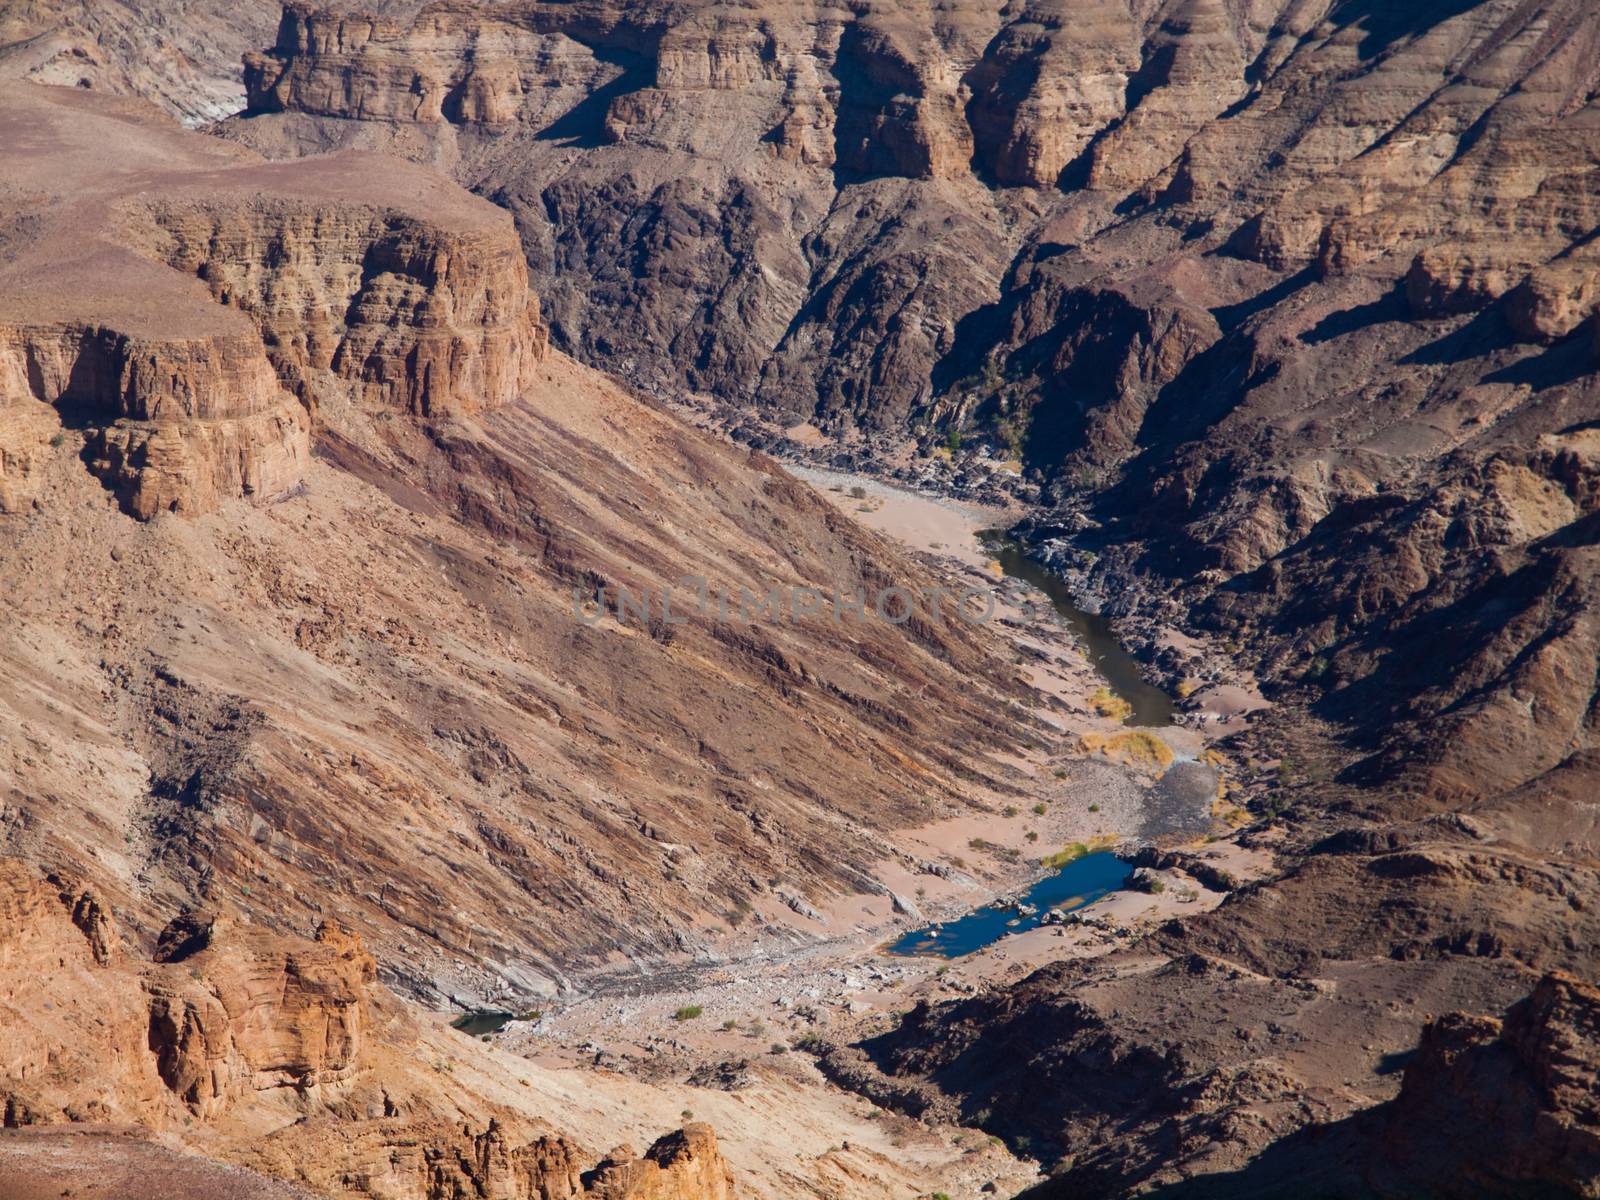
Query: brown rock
685	1165
106	318
1490	1106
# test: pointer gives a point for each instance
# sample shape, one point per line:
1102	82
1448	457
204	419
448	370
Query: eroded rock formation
96	1031
225	1019
182	308
1493	1106
301	703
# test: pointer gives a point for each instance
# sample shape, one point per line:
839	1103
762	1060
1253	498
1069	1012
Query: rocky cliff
928	160
223	1012
1293	303
229	1029
180	306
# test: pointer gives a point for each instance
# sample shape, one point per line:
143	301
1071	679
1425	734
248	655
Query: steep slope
1290	303
388	692
182	56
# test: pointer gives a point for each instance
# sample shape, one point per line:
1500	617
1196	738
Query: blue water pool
1080	882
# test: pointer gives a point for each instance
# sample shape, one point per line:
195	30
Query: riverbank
734	1021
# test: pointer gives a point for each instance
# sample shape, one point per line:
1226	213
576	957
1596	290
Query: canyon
1272	326
306	726
1238	290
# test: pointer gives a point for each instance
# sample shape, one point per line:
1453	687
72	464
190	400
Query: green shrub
1067	854
688	1012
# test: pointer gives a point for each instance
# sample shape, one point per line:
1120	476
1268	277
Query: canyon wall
186	340
1293	304
362	671
227	1027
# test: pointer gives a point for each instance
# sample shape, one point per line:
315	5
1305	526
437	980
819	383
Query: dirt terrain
307	723
1273	324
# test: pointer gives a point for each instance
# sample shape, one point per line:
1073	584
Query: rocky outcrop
186	340
422	317
169	424
228	1018
397	1159
209	1025
1047	86
269	1017
1492	1107
685	1165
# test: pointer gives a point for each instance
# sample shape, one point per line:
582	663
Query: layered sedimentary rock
392	687
169	424
673	173
224	1012
185	58
226	1027
183	306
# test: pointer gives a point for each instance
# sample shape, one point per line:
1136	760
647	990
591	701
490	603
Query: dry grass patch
1137	748
1108	704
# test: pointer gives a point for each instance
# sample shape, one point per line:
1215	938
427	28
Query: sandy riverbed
730	1027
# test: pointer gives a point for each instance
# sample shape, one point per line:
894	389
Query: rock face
675	174
1491	1106
218	1018
403	1160
424	318
270	1019
226	1018
679	1166
1294	303
185	57
188	336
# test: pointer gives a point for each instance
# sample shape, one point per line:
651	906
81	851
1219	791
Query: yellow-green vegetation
1187	688
1072	852
1067	854
688	1012
1136	748
1108	704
